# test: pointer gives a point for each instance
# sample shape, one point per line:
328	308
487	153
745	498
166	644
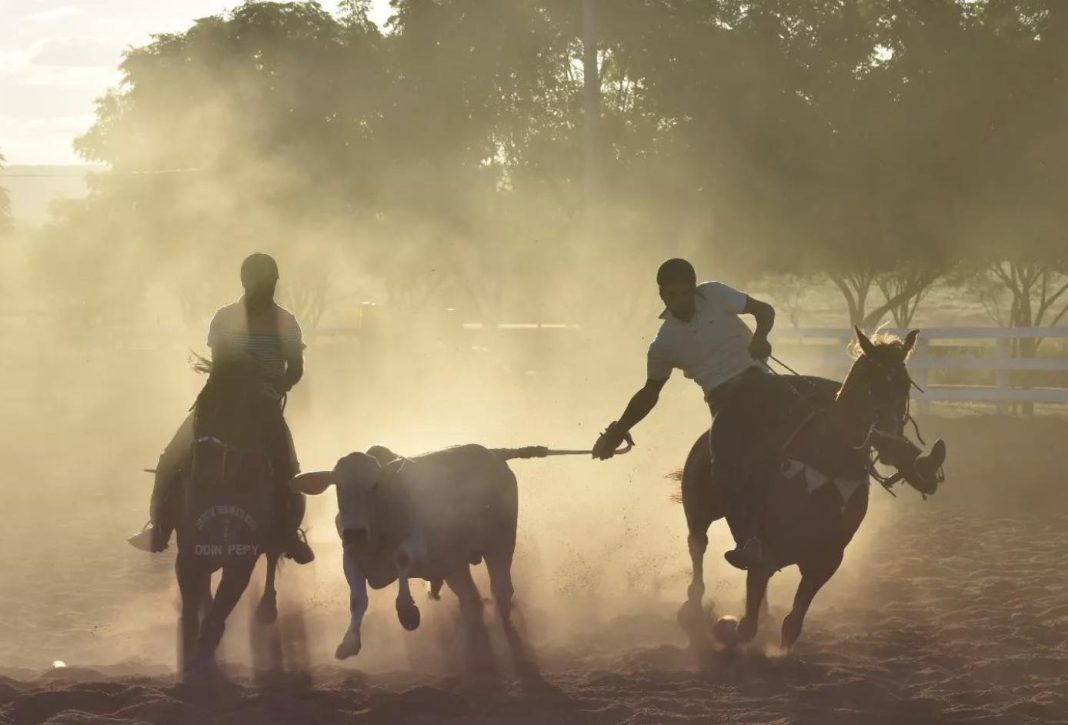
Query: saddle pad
226	516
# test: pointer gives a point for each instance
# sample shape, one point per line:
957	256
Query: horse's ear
866	345
313	483
910	341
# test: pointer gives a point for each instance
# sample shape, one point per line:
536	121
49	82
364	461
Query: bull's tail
508	454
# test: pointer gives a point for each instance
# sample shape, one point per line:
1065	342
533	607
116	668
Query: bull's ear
313	483
910	341
866	345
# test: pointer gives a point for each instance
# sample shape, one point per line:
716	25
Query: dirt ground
953	609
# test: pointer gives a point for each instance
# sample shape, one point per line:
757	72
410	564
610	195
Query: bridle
882	410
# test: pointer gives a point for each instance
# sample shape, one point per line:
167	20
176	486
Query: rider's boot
746	556
750	552
156	535
162	518
924	472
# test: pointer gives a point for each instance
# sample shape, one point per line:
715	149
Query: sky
58	56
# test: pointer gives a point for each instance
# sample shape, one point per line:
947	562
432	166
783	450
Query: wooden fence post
1001	375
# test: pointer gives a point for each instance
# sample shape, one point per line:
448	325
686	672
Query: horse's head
878	385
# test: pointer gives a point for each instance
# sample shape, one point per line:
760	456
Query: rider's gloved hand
760	348
609	441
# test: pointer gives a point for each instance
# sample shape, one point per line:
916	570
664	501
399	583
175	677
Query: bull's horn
312	483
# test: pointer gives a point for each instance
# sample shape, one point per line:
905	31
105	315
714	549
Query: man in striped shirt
257	331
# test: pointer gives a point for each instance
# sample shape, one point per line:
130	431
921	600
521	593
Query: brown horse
229	515
813	491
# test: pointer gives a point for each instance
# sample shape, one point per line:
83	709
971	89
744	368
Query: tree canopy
878	142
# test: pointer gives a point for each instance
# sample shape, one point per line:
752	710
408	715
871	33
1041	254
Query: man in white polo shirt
703	336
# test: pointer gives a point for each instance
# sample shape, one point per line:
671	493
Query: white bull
429	517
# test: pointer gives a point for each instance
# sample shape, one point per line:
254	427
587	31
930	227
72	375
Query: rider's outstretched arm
639	406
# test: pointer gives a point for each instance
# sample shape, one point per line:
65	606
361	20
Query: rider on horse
702	335
257	333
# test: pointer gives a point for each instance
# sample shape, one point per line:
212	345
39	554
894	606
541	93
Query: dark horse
812	486
230	509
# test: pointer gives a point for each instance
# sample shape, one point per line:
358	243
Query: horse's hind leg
813	576
195	587
756	589
267	610
701	506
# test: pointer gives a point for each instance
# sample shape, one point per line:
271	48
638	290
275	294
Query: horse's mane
879	339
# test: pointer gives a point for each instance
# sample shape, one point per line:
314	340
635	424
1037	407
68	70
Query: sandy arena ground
950	610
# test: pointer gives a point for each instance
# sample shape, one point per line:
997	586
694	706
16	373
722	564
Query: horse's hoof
267	611
726	630
690	616
747	629
349	647
201	671
791	630
408	614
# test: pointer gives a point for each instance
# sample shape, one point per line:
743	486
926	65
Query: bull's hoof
267	611
349	647
408	614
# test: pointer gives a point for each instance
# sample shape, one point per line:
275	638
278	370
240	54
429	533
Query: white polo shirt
711	348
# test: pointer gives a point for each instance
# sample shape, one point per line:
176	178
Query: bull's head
357	478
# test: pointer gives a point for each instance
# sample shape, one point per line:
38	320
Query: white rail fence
994	342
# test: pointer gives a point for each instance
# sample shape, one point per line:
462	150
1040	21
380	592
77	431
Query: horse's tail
676	477
508	454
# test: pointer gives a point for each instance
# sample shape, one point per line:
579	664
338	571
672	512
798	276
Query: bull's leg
499	567
756	589
351	642
813	576
231	587
407	611
267	610
476	639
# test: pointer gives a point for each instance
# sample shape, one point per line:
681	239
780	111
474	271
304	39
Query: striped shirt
270	337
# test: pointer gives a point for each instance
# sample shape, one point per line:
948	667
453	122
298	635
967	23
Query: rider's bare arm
641	404
764	314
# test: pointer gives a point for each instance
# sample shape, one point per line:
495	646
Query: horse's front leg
407	612
351	642
232	585
267	610
813	576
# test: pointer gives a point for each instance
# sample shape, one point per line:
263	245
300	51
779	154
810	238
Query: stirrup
144	538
